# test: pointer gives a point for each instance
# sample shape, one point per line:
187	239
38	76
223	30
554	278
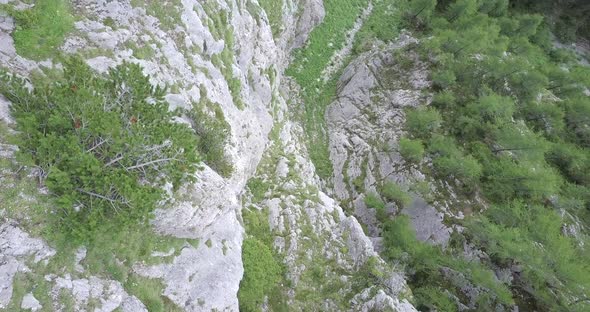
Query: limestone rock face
366	121
365	124
204	63
15	247
313	233
110	294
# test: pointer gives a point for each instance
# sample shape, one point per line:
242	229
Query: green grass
143	52
166	11
373	201
218	19
41	30
220	28
359	182
224	62
66	300
274	12
149	292
258	188
383	24
310	61
307	67
263	269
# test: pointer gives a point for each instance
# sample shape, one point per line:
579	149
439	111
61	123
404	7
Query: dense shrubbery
104	145
411	150
568	18
509	120
263	270
261	273
422	122
428	264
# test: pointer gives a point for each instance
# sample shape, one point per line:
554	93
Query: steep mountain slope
358	155
218	56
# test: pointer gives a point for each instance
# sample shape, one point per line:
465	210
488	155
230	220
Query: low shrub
105	144
261	273
411	150
393	193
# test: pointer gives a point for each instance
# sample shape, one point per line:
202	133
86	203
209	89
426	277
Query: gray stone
30	303
381	302
427	222
368	110
80	255
8	269
15	247
110	294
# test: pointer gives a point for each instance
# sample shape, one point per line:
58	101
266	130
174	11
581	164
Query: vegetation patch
372	200
411	150
84	109
213	130
258	188
426	263
274	12
383	24
263	270
42	29
166	11
508	123
392	192
104	145
149	292
306	68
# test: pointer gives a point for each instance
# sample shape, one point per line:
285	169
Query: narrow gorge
293	155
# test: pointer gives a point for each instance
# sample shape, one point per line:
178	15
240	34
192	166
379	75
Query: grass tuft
41	30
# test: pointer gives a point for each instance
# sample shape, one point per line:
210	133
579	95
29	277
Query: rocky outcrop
204	60
109	294
30	303
16	247
366	120
314	235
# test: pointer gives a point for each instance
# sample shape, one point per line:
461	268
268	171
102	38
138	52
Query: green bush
393	193
513	107
105	145
449	160
465	168
423	262
444	79
444	99
411	150
213	131
261	273
373	201
532	236
422	122
434	298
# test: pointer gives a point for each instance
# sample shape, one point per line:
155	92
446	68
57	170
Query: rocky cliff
231	54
